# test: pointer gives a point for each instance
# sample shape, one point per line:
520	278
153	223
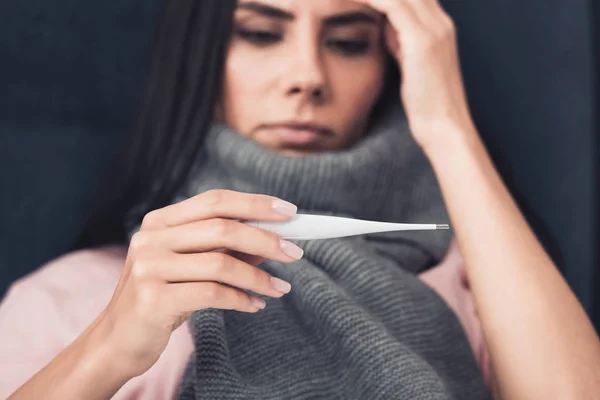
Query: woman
355	324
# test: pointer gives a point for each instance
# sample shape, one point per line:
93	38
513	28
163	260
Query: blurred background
72	74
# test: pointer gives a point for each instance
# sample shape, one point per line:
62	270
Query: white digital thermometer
313	227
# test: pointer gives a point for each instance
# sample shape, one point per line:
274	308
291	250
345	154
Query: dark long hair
181	91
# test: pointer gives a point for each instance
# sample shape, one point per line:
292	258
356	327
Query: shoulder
74	270
45	311
68	291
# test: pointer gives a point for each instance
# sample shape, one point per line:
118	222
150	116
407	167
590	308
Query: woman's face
303	75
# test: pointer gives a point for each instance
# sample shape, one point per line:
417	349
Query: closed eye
259	37
349	47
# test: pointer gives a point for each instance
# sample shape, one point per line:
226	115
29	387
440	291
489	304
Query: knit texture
358	324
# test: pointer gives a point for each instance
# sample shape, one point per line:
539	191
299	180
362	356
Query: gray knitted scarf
358	323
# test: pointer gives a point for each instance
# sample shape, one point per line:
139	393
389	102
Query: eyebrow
351	18
334	20
267	11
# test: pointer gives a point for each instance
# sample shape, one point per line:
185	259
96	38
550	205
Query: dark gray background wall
530	72
71	74
596	29
71	77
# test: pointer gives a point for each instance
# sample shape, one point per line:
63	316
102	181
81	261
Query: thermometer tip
442	227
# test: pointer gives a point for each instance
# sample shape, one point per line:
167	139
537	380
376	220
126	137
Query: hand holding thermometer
314	227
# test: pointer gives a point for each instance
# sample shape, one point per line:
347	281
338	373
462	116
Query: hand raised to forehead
422	38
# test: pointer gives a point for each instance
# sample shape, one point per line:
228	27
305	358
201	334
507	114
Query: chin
295	152
292	151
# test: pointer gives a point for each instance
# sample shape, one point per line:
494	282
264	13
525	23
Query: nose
312	91
308	78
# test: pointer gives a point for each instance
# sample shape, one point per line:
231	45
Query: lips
298	133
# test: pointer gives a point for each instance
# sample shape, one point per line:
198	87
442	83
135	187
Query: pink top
45	311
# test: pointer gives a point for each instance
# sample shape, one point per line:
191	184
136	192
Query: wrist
87	369
451	139
100	357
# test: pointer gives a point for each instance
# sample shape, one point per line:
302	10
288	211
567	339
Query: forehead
317	8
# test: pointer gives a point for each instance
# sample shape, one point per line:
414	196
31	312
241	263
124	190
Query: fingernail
281	286
291	249
285	208
258	303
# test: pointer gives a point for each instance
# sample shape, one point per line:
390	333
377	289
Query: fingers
433	16
247	258
426	12
220	204
190	297
211	267
404	28
398	12
412	18
214	234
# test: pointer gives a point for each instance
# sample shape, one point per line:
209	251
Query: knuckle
261	278
151	220
220	228
139	242
213	292
447	29
142	269
451	33
274	240
243	300
446	34
220	264
449	23
213	198
258	201
265	243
